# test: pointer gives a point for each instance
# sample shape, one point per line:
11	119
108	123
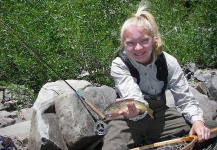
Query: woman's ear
122	44
154	39
154	43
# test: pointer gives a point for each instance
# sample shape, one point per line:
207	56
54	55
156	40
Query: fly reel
99	128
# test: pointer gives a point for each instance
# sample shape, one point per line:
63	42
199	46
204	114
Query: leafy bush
70	36
189	29
82	36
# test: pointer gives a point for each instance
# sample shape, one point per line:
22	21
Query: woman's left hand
198	128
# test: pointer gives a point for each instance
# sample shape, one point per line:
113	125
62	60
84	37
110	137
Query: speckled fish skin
121	105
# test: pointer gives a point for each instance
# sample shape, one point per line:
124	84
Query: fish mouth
107	116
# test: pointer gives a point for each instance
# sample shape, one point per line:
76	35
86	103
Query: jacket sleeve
184	99
124	83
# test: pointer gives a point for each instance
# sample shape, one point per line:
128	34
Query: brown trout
121	105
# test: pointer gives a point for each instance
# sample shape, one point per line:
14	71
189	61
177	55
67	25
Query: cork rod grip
94	109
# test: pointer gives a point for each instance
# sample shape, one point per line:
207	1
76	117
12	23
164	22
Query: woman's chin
140	61
143	61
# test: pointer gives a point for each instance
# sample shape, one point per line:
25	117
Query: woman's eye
130	43
145	40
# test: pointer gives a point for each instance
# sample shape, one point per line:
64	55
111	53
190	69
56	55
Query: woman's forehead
135	32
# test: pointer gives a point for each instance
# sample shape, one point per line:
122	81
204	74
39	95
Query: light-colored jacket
149	85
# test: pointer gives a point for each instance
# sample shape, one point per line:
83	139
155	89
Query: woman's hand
130	113
198	128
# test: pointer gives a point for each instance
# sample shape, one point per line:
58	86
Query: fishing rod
99	125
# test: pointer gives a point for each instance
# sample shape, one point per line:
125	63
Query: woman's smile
139	53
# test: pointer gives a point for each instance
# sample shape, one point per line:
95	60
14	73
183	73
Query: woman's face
138	44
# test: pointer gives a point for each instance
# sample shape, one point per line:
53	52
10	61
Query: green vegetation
83	35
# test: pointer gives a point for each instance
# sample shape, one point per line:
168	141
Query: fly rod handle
189	138
94	109
214	130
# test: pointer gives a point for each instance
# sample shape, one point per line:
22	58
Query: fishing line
98	127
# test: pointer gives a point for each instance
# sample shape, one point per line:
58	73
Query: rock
7	118
208	106
60	120
212	87
1	96
24	115
77	126
189	70
202	88
199	76
6	121
10	118
40	131
45	132
18	132
2	88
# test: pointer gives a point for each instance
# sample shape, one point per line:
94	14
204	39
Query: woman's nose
138	46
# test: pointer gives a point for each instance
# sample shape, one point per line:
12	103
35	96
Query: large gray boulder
61	121
212	86
208	106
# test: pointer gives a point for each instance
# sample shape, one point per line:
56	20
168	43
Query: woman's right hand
130	113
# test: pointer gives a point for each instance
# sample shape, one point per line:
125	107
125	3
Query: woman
141	43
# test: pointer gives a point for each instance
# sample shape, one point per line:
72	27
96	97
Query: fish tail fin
152	116
150	112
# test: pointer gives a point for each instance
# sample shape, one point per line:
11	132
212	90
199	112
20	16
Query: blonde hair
142	18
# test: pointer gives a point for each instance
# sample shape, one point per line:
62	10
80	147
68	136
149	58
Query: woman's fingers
131	112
